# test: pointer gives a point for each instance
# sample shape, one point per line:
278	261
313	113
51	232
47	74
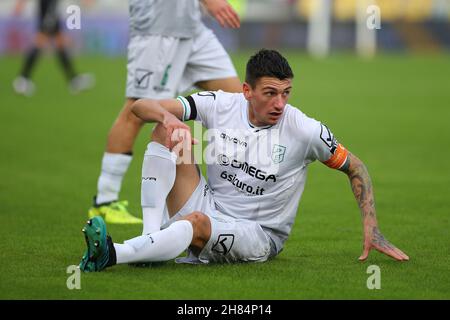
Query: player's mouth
275	114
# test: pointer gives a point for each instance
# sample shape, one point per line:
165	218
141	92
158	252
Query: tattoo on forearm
361	186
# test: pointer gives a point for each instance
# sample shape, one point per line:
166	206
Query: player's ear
247	90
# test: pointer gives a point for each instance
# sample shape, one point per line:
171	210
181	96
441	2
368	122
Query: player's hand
223	12
176	131
373	239
182	145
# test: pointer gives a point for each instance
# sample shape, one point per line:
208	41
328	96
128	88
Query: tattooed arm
362	189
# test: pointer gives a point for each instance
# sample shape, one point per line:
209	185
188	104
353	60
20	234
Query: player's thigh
207	63
60	40
155	66
124	130
186	181
126	114
232	84
41	39
187	177
236	240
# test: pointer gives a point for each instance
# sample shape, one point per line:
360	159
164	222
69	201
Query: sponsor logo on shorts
149	178
142	78
223	244
165	77
160	89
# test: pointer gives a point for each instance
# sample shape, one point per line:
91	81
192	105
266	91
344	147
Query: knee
202	228
41	40
159	134
60	41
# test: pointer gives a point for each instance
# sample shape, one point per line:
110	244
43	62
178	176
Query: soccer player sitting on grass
246	209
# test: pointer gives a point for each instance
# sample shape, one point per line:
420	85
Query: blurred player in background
170	51
48	28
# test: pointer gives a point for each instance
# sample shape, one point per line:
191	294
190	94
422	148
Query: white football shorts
161	67
232	240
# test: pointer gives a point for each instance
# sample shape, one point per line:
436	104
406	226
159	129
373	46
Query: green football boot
100	252
115	212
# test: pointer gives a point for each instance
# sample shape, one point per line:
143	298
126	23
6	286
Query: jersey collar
247	119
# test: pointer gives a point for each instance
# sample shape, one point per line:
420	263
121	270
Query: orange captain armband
338	158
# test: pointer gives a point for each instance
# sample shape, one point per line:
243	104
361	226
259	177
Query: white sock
163	245
114	167
158	177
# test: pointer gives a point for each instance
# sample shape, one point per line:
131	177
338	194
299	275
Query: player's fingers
390	252
188	140
185	126
175	137
365	253
169	137
178	134
194	141
220	19
177	149
228	18
182	138
233	17
186	136
402	254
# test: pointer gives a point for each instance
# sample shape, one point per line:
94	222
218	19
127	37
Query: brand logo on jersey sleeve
328	138
207	94
278	153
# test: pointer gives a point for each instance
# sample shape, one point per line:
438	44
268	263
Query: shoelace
119	205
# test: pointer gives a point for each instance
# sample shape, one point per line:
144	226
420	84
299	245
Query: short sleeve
325	148
199	106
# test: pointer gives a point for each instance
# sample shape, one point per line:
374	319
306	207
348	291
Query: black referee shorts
48	19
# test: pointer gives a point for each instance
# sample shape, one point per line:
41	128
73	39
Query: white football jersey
259	173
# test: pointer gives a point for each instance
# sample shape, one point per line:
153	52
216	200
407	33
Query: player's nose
279	103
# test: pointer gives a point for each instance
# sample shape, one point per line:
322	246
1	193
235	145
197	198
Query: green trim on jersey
186	108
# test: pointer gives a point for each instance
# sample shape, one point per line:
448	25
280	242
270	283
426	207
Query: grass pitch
392	112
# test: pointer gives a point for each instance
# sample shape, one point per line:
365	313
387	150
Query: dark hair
267	63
